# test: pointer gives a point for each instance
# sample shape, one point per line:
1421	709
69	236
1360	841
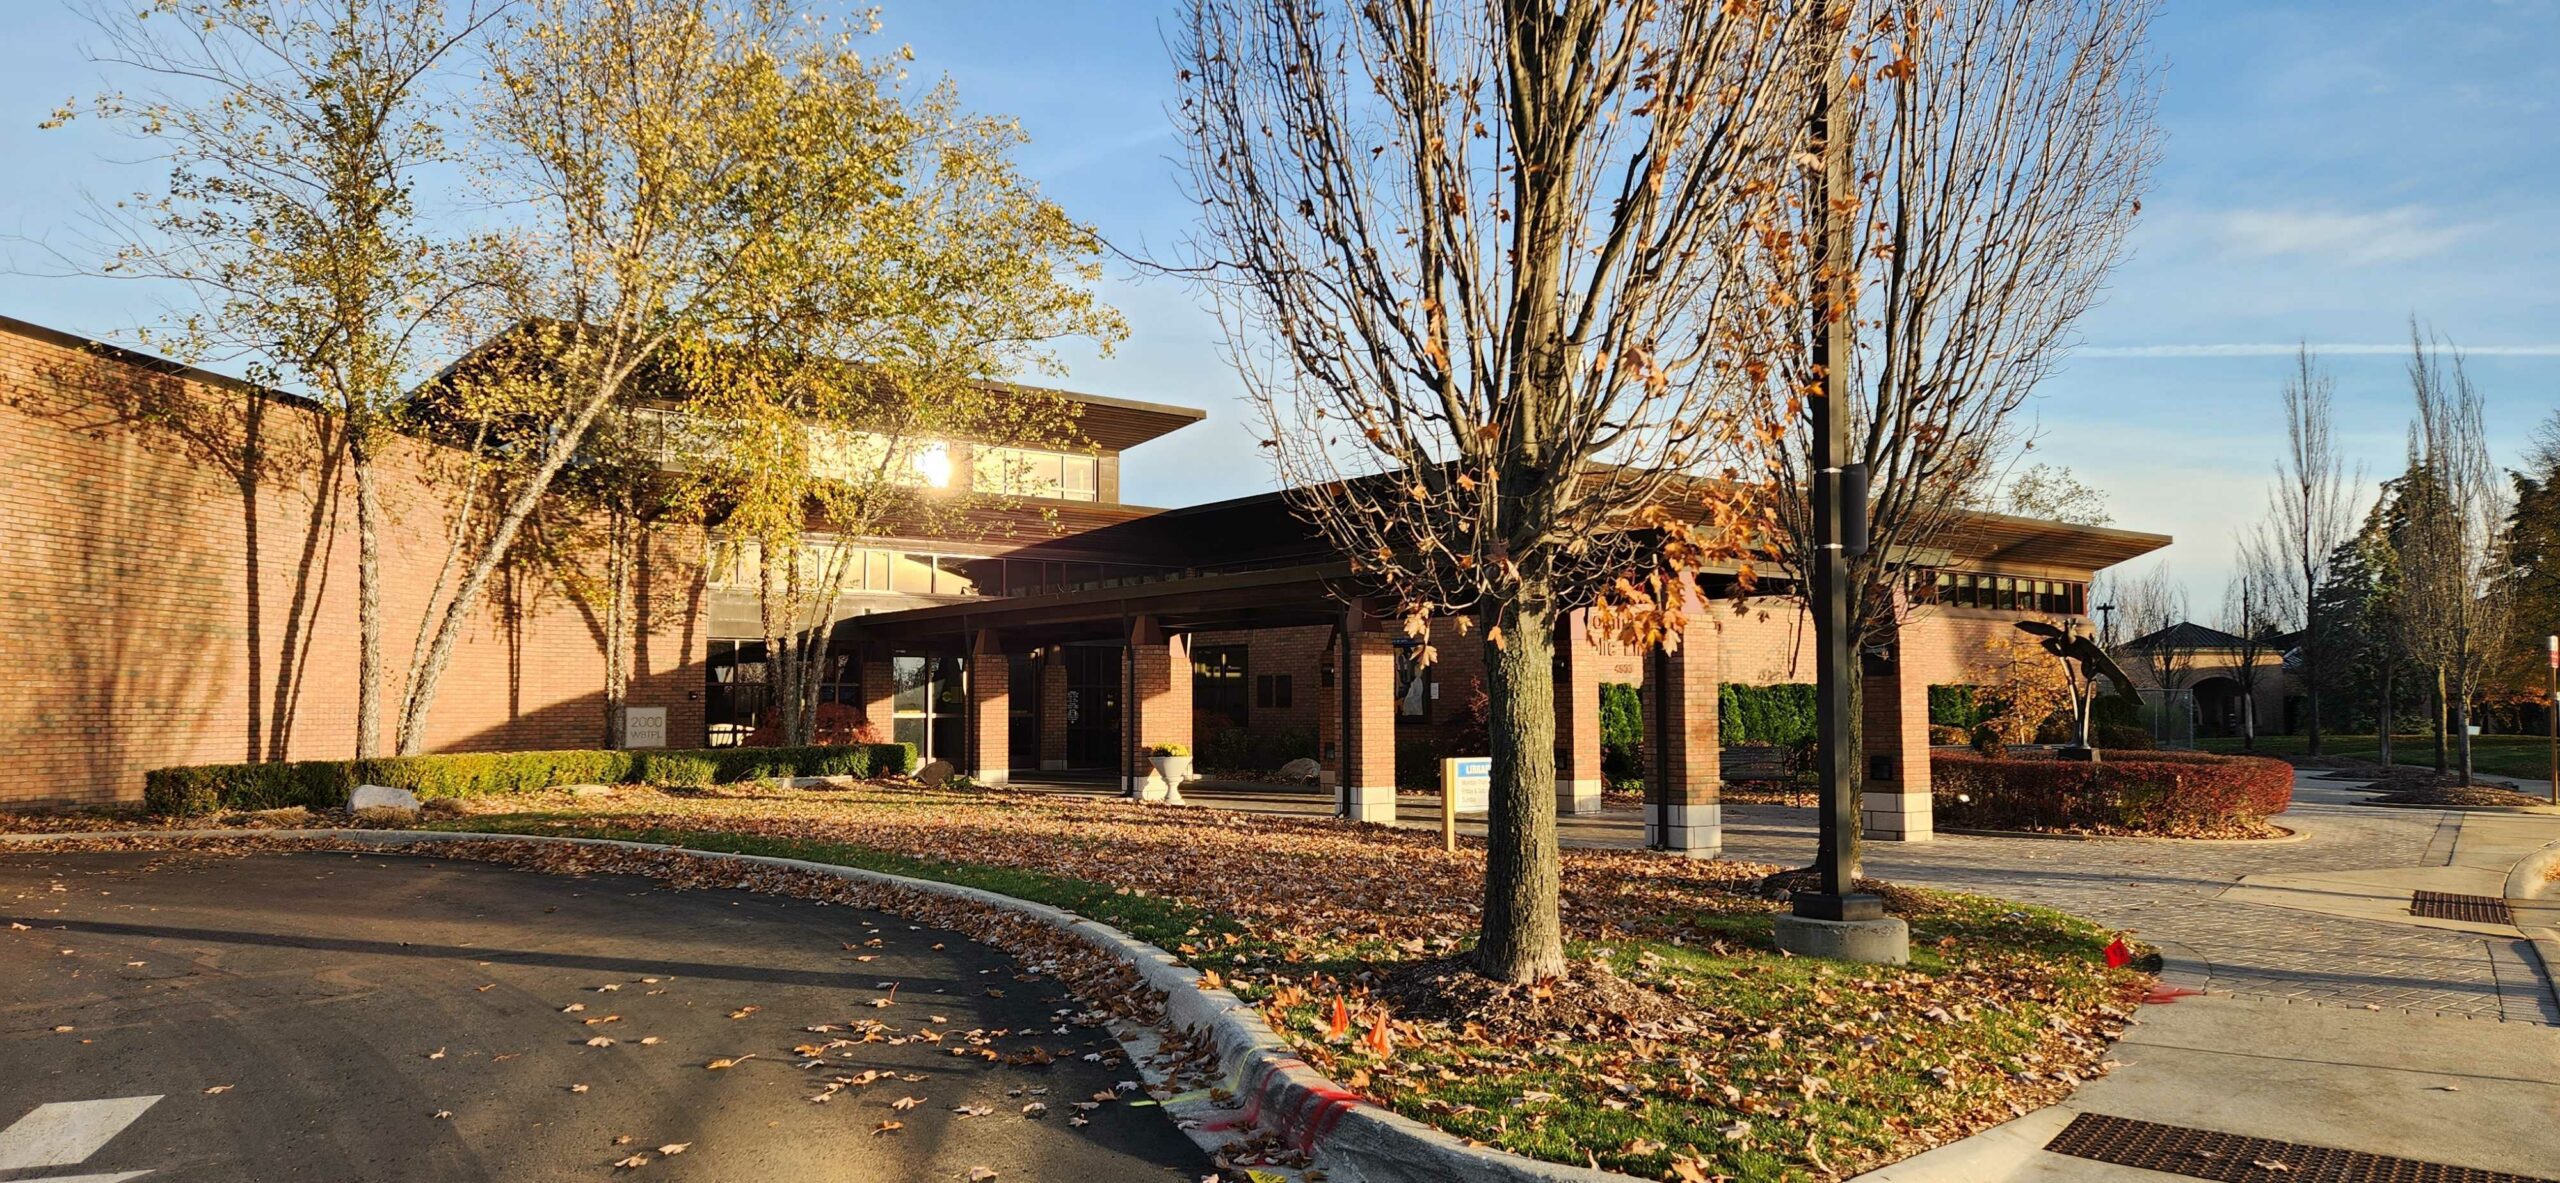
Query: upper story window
1036	472
2051	597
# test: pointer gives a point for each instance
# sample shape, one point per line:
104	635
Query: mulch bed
2426	786
1590	1002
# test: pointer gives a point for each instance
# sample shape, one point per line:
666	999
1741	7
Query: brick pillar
1159	676
879	690
1578	775
990	712
1683	749
1365	769
1053	710
1895	752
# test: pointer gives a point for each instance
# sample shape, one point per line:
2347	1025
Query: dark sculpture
2084	661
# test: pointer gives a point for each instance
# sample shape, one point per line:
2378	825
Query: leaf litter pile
1683	1046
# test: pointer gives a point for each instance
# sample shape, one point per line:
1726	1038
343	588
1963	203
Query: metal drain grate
2204	1154
2470	909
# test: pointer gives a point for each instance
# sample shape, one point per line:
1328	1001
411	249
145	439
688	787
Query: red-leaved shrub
2176	794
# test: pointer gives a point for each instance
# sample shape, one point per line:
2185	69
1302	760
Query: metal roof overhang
1309	594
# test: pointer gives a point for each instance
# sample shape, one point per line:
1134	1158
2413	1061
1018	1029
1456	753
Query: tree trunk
2311	669
1522	939
2435	702
466	599
617	626
368	594
2382	727
2462	734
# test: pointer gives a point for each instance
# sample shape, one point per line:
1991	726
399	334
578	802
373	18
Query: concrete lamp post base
1844	928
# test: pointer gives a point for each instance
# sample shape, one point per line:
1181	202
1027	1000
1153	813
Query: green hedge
1621	732
326	784
1960	707
1775	716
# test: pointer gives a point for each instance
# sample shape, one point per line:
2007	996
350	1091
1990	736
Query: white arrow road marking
66	1133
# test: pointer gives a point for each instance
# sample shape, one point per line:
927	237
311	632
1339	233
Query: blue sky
2331	169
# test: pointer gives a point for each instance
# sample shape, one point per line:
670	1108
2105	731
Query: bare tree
2153	606
297	137
2452	603
1477	265
2249	612
2312	513
2053	493
2001	153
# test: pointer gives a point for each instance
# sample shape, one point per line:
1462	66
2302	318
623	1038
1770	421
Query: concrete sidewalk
2477	1095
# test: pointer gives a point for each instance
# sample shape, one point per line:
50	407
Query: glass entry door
1093	706
927	710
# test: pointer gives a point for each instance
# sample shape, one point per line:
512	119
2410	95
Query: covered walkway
1085	681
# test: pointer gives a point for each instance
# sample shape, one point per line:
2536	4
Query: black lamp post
1839	532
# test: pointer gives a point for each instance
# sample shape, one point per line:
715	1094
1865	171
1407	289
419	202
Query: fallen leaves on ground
1767	1067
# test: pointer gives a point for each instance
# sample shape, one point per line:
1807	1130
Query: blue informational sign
1468	780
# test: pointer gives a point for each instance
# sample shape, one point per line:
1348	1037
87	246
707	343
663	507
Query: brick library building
182	565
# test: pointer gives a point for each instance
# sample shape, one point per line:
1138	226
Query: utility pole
1834	919
2106	625
2551	714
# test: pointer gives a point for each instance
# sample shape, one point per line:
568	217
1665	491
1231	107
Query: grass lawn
2498	755
1776	1068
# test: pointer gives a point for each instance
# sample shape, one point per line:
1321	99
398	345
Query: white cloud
2393	235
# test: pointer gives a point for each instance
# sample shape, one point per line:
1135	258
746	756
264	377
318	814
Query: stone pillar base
1577	796
1368	803
1696	831
1896	817
1885	941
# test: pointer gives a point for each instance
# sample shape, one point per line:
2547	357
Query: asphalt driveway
324	1016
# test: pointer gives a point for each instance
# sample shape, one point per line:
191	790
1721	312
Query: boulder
1303	768
592	790
380	797
935	774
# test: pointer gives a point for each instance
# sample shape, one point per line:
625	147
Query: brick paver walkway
2166	892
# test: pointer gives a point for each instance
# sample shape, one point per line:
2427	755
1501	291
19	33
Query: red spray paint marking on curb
1331	1105
2164	995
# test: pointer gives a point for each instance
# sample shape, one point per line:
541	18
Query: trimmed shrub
2176	794
2130	737
1777	715
680	770
1242	750
1947	735
1417	764
326	784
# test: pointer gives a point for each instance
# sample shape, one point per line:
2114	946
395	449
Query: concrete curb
1353	1140
2292	834
2530	878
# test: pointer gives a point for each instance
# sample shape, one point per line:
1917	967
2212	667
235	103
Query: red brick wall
164	609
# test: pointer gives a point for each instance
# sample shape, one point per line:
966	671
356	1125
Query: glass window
1036	472
1217	689
911	574
955	575
1413	684
914	691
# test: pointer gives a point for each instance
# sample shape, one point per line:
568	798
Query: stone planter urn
1172	763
